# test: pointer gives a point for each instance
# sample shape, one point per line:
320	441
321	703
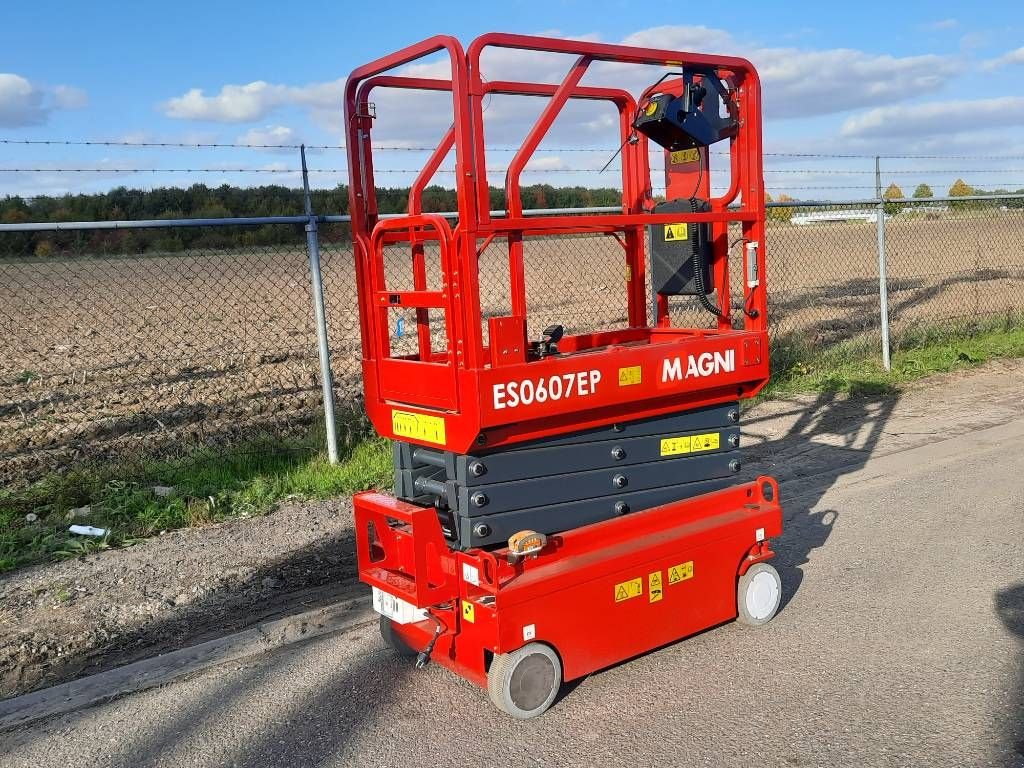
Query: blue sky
937	78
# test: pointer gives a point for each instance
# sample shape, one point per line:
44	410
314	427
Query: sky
941	80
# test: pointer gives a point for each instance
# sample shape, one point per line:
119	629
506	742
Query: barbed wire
176	170
449	171
405	148
806	171
902	171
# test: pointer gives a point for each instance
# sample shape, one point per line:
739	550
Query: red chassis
596	595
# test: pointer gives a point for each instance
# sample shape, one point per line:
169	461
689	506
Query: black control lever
548	344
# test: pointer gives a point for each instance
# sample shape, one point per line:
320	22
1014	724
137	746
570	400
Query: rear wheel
525	682
758	595
392	638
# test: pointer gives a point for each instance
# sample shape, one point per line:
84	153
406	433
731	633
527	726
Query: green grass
212	485
855	367
209	485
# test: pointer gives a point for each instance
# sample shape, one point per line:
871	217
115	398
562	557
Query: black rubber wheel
392	638
758	595
525	682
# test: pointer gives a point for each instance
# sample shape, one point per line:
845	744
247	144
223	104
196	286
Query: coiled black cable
698	268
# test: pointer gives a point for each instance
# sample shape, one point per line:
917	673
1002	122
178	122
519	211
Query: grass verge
209	485
212	485
855	366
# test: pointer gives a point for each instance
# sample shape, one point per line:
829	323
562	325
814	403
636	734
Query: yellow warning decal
684	156
674	446
418	426
629	273
627	589
680	572
634	374
705	442
468	611
675	232
654	587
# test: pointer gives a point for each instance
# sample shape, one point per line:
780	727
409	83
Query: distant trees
200	201
923	190
960	188
893	192
784	214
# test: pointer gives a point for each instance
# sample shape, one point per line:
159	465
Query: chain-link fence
822	274
148	341
949	264
953	265
127	353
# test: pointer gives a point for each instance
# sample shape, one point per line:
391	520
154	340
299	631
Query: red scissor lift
549	606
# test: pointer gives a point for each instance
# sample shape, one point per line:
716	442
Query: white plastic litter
87	530
163	490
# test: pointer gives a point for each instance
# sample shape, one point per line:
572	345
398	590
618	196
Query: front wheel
525	682
758	595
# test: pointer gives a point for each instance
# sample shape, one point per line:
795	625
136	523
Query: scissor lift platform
616	560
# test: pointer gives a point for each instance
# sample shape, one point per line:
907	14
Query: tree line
922	192
226	201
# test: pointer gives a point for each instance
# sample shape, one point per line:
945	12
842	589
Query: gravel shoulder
65	620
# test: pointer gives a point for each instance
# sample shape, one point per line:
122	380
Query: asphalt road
900	642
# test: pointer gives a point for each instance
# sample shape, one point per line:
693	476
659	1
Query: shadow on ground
832	436
1009	605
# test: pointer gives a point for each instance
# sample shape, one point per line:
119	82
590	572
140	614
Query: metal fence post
883	288
316	278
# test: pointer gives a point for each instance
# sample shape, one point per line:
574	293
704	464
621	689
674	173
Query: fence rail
152	348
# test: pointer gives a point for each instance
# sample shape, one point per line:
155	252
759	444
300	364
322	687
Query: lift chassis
565	503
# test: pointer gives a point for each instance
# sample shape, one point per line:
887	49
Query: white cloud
135	137
271	135
69	97
50	180
942	24
1008	58
682	38
105	173
24	103
20	102
234	103
937	117
972	41
800	82
807	83
547	163
797	83
252	101
859	150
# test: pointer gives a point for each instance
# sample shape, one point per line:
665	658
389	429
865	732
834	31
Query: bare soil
65	620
